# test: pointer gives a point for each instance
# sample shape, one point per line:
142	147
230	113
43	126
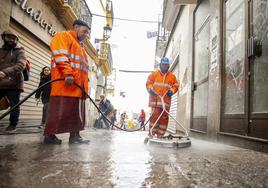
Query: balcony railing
69	10
110	57
105	59
163	34
161	42
81	10
105	53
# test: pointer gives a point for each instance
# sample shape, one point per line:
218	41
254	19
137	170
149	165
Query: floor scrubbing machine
169	140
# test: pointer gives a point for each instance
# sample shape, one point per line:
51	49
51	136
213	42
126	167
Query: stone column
214	93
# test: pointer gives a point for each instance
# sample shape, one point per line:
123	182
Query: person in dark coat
123	116
106	108
44	93
12	64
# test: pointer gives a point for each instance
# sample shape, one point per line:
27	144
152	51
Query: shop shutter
172	126
173	112
38	54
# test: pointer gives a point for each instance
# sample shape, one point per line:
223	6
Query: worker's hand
169	93
151	91
2	75
69	79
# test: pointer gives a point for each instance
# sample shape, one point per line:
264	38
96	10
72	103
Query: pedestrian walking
12	64
44	93
106	108
161	83
66	111
142	119
113	119
122	120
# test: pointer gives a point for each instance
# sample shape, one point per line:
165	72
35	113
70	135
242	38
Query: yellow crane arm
108	15
103	7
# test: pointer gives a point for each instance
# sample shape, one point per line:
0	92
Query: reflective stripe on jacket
161	83
68	58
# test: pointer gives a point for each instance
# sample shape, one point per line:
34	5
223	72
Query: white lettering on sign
36	16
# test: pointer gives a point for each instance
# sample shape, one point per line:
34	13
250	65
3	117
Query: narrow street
120	159
195	68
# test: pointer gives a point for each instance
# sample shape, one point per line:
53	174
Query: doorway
245	68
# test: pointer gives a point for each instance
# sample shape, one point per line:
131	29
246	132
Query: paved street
120	159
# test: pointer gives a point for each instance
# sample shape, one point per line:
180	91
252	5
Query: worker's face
164	67
10	41
82	32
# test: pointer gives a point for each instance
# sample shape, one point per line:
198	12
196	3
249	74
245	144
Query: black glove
151	91
169	93
69	79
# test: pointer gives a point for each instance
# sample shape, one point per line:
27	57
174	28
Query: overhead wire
126	19
134	71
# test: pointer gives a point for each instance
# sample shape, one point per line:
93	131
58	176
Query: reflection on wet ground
120	159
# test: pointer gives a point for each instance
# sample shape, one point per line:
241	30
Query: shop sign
36	16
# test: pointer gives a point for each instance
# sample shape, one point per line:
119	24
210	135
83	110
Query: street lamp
106	35
107	32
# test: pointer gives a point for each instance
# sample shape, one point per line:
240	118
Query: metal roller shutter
39	56
172	127
173	112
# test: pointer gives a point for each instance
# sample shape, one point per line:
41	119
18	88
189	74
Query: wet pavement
120	159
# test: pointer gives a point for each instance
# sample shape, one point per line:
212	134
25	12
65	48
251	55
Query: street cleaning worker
66	111
163	83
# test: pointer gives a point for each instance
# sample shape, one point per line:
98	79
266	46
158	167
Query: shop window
234	56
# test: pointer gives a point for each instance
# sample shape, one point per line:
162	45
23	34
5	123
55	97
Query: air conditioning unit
184	2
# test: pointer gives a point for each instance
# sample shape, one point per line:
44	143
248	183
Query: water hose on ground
83	91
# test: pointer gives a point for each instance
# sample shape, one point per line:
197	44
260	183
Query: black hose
83	91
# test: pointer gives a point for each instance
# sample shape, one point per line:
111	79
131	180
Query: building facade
35	23
219	53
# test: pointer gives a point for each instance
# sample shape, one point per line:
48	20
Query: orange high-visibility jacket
68	58
161	83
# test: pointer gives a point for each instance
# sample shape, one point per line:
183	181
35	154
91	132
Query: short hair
80	22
